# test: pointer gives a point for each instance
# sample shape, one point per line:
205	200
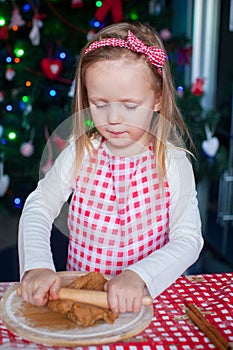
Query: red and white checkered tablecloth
170	328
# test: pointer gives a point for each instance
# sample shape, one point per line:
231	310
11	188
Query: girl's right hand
38	285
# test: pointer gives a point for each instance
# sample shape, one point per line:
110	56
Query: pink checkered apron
118	215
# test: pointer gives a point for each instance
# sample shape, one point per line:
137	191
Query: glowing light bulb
134	16
9	108
2	21
18	52
12	135
18	202
22	105
52	92
62	55
26	7
25	99
99	3
96	24
180	89
89	122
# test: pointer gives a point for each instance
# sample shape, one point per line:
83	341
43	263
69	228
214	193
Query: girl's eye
131	106
101	106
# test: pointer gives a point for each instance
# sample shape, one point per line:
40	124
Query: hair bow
155	55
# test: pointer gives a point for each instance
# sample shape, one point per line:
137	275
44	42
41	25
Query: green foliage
197	120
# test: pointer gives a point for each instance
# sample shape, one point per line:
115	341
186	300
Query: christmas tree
40	43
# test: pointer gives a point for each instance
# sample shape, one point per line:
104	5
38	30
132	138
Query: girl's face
122	100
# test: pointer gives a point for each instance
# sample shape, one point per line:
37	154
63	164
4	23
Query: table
170	328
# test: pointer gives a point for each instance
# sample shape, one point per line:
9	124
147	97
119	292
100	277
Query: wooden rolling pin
93	297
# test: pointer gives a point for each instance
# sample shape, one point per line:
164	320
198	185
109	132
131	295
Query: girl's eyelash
131	107
101	106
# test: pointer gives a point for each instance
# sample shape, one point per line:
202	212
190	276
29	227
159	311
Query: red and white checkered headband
154	54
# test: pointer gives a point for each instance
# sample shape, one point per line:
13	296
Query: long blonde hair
169	126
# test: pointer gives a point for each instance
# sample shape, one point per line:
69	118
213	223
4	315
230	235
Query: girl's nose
114	113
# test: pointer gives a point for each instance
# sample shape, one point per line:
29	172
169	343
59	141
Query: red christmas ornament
10	73
16	19
113	6
198	87
51	67
77	4
27	149
4	32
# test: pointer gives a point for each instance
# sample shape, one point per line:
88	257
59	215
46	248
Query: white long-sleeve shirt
158	270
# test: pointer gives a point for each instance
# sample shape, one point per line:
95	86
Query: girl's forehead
123	62
122	68
116	79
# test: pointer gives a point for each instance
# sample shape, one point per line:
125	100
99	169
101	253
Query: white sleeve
40	209
160	269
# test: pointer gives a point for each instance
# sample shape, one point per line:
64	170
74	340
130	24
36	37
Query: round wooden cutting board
43	326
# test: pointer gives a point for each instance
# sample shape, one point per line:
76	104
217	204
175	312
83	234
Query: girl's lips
116	133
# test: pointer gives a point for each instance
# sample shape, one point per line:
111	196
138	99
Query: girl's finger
54	289
122	305
40	295
137	305
26	292
130	305
113	302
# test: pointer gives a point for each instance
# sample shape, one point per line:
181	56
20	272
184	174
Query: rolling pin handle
97	298
147	300
18	291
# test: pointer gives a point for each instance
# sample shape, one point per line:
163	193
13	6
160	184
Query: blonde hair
169	126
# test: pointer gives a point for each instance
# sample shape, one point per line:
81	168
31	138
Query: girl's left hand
125	292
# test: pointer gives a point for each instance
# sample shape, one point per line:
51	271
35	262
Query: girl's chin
124	147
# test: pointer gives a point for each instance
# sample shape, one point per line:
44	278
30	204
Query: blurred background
40	42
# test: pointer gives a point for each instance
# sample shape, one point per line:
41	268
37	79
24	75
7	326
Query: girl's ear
157	105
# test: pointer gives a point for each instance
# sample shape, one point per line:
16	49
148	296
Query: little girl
133	213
